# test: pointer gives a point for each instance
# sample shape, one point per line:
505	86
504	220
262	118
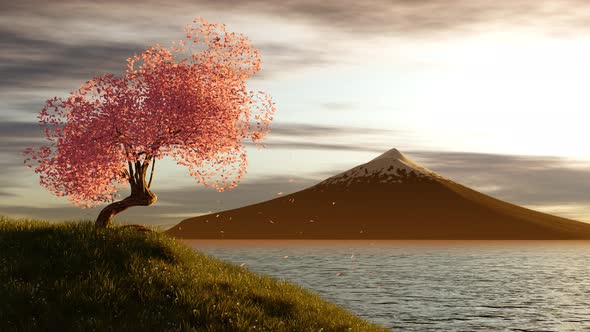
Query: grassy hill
72	277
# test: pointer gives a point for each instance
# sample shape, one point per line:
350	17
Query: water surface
434	285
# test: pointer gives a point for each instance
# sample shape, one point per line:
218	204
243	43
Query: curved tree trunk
108	213
141	195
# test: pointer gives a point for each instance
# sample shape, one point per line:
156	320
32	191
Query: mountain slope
390	197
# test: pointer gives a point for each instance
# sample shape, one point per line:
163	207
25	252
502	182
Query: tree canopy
188	102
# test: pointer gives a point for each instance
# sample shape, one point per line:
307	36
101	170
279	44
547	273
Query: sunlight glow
511	96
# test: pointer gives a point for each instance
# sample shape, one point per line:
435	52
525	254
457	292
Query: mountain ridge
389	166
389	197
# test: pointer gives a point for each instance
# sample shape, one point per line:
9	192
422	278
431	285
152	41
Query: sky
492	94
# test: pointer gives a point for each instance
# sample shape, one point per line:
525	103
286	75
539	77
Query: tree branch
138	175
152	172
131	174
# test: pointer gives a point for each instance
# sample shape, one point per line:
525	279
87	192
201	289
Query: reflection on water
434	285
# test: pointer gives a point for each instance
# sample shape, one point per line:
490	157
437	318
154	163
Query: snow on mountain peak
392	154
391	166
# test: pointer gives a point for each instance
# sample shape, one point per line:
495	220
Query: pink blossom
193	107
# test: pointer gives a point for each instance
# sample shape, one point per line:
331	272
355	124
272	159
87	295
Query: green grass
72	277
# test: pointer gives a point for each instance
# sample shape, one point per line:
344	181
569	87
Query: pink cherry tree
188	102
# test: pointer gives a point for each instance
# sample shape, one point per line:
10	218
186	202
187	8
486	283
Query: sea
433	285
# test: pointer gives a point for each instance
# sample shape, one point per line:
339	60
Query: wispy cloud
428	17
549	184
176	204
306	136
19	130
303	130
40	64
56	46
49	48
397	16
288	56
367	17
14	138
339	106
320	146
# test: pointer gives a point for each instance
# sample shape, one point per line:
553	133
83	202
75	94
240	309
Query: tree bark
141	195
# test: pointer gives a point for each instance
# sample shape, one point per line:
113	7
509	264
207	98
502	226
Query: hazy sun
511	94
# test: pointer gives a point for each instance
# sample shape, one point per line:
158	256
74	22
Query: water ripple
435	286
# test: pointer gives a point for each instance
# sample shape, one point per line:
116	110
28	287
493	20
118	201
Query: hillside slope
73	277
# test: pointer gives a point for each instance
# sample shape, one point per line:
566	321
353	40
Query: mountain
390	197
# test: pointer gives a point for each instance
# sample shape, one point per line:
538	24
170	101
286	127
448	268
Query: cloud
19	130
75	40
303	136
367	17
312	131
552	184
339	106
426	17
33	64
52	49
290	57
528	180
15	137
40	60
175	205
320	146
